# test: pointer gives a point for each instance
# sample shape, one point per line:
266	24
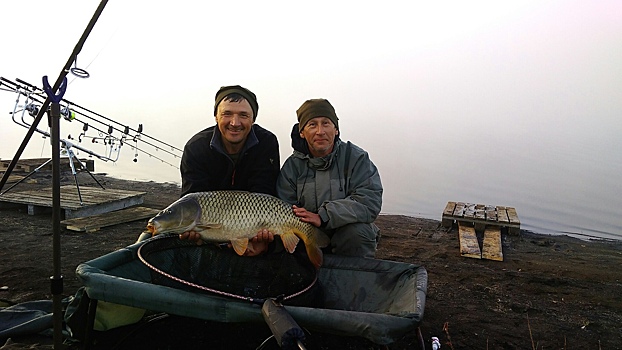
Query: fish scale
217	207
236	217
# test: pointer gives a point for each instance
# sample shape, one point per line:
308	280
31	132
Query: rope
191	284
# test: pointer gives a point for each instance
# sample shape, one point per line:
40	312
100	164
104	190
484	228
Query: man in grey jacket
332	184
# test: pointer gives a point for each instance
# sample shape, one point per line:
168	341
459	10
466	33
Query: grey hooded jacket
340	193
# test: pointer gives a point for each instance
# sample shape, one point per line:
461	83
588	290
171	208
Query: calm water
560	182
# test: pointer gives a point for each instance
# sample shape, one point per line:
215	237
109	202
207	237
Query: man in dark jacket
234	154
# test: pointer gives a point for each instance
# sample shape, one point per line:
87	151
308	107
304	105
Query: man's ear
336	131
302	136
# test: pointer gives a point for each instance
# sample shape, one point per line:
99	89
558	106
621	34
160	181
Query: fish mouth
157	228
153	227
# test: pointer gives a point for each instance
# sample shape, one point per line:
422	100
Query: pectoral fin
207	226
210	225
240	245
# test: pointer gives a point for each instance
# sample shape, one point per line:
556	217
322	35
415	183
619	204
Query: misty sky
413	82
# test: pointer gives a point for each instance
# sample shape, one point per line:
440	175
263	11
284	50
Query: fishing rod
32	110
66	111
125	132
108	119
73	104
138	131
53	97
126	129
113	143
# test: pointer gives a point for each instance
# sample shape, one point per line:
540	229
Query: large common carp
237	216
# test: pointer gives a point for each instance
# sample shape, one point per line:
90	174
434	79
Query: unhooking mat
376	299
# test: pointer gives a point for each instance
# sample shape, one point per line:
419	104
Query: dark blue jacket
205	166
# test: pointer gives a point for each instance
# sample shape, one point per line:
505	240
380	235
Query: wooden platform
95	200
481	216
95	222
13	178
28	165
479	227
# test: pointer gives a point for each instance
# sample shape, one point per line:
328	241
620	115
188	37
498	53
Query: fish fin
290	241
313	247
322	240
209	226
240	245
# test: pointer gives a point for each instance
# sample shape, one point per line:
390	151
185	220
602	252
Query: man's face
320	134
234	121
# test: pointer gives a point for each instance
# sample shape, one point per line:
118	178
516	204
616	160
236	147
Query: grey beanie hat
237	89
317	107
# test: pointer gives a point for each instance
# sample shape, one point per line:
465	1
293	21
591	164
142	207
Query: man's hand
307	216
259	244
191	236
256	245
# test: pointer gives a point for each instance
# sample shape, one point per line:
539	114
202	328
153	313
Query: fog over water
514	103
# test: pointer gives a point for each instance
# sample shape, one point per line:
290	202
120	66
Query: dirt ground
550	292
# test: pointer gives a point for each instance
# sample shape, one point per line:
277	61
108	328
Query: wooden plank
502	215
95	222
469	246
480	217
447	219
491	213
512	215
103	207
480	212
95	200
449	208
12	178
469	210
69	196
514	227
29	165
459	210
491	247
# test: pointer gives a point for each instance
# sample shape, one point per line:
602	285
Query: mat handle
285	329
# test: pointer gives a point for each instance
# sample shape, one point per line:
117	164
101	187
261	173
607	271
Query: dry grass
446	330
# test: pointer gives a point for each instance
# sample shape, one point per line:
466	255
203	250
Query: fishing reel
32	109
67	113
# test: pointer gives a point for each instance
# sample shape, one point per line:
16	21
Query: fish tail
322	239
315	255
311	245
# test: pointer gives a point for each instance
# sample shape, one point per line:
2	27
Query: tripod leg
75	175
83	167
27	176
